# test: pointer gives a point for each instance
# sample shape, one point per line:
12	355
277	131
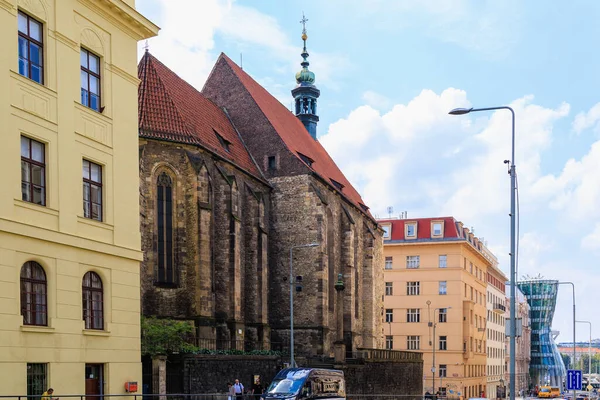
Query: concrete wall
57	235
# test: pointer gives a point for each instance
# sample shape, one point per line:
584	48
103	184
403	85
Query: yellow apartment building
435	301
69	205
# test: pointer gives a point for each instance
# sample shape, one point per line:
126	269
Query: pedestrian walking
231	391
257	388
238	389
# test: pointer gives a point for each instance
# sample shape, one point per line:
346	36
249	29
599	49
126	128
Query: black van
307	383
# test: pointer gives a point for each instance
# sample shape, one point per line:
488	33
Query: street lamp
433	364
292	361
574	342
513	280
589	349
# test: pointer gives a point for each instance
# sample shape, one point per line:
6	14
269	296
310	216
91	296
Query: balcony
499	308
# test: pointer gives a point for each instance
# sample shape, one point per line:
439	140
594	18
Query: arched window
34	302
164	216
93	301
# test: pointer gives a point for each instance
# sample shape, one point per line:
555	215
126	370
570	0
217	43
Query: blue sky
390	70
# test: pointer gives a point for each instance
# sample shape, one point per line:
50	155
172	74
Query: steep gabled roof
296	137
171	109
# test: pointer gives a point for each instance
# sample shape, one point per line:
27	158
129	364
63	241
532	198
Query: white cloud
445	164
376	100
592	240
186	42
586	120
575	190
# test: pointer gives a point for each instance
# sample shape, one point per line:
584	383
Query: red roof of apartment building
423	227
171	109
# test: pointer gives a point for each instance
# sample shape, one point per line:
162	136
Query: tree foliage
166	336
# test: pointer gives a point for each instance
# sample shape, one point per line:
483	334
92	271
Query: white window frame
406	227
413	342
413	315
389	262
443	288
443	343
443	315
433	225
443	261
387	231
444	368
413	288
389	342
389	288
389	315
413	262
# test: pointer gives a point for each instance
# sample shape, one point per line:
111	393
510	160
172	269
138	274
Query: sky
389	72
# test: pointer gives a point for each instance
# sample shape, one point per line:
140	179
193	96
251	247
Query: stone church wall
220	232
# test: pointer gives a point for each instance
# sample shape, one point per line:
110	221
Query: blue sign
574	379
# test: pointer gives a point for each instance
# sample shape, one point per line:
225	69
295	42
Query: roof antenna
241	61
390	211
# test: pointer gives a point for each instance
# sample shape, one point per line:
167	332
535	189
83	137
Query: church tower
306	93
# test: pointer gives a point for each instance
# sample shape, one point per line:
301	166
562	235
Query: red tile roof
171	109
296	137
423	227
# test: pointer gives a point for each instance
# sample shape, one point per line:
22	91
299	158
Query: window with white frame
443	343
436	229
442	263
442	288
413	288
386	231
413	342
389	315
389	343
443	315
388	262
443	371
413	262
389	288
413	315
411	230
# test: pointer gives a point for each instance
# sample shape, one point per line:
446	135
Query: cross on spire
303	21
146	46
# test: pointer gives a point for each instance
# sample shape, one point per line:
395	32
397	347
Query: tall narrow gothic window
34	303
164	216
93	301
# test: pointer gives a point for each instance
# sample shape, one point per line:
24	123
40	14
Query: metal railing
246	346
207	396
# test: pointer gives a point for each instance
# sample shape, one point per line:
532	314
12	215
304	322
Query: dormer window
411	230
387	231
226	144
337	185
307	160
437	229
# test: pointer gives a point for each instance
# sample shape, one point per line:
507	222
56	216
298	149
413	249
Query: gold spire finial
303	21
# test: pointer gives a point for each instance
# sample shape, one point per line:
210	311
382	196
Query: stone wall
210	374
398	378
220	231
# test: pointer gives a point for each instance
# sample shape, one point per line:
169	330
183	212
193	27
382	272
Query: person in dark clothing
257	388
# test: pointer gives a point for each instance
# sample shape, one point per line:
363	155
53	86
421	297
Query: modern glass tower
546	367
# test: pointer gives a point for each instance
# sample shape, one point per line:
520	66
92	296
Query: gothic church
233	186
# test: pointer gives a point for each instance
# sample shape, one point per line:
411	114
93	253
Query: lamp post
513	280
433	346
292	361
589	349
574	341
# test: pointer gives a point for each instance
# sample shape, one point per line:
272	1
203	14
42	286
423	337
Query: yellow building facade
69	205
435	301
